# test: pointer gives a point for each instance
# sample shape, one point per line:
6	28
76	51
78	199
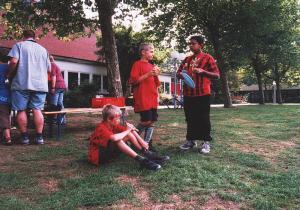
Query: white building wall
165	80
90	69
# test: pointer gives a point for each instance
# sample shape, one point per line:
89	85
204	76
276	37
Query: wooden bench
49	116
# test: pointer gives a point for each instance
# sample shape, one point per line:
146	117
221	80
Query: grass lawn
254	164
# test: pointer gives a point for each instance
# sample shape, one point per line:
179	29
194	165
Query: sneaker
39	140
188	145
7	142
148	164
205	148
159	159
25	140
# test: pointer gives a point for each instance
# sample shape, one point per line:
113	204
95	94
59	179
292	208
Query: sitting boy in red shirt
110	136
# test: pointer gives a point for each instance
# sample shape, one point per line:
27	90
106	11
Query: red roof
81	48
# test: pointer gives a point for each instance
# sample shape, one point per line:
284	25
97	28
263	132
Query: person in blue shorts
4	102
28	69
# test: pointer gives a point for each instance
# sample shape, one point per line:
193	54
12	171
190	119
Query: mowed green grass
254	164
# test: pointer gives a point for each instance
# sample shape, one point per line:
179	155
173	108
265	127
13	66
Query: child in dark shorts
4	105
110	138
145	83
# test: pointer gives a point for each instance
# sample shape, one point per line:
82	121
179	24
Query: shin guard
148	134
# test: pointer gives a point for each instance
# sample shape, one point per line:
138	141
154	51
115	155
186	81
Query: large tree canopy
66	18
239	32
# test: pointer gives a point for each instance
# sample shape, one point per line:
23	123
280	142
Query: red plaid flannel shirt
202	83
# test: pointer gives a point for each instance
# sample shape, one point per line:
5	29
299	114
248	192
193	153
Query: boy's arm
120	136
143	77
140	140
135	79
211	72
12	68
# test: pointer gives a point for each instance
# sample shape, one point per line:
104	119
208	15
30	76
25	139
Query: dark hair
28	34
198	39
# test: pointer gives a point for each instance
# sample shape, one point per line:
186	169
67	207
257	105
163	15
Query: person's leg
132	139
7	137
204	121
36	103
123	147
22	121
54	98
189	118
20	101
144	162
60	99
38	120
150	128
6	133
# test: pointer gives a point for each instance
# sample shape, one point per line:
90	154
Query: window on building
105	83
161	87
84	78
167	88
73	80
97	81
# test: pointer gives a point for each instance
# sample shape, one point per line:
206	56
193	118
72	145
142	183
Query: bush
81	96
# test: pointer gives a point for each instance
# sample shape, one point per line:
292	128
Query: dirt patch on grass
144	201
49	185
266	149
217	203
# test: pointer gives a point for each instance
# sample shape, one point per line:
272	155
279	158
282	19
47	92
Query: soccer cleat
159	159
205	148
39	140
7	142
148	164
25	140
189	144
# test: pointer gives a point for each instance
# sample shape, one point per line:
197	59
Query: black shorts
149	115
109	153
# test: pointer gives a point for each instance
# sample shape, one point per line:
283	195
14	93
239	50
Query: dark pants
197	111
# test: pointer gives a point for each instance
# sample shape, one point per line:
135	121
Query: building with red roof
76	58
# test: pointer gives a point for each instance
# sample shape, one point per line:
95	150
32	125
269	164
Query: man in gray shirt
28	70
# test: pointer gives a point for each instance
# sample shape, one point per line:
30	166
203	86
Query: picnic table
49	116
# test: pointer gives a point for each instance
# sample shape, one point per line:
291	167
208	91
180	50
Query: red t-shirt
202	83
100	137
55	71
145	93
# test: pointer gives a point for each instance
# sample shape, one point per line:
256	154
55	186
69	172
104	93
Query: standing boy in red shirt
202	68
145	83
110	138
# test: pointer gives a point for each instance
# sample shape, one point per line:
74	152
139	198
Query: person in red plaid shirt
201	67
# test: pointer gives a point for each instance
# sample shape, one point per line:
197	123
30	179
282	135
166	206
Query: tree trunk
278	86
223	73
105	11
258	71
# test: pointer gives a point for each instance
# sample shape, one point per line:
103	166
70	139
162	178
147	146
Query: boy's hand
132	127
145	145
156	70
198	71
